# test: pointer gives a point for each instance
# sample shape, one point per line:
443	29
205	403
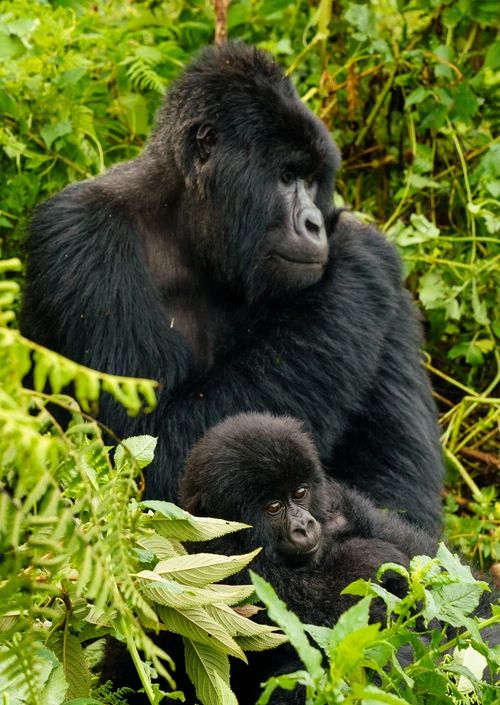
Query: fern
81	557
141	71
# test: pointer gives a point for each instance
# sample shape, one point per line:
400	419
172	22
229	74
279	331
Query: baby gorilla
265	471
317	535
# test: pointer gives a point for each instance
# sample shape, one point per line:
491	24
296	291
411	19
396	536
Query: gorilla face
290	526
263	471
296	251
258	173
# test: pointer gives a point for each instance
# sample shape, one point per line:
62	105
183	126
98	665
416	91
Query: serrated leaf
172	594
161	547
173	522
197	625
263	642
141	448
202	663
69	651
353	619
235	624
321	635
226	695
200	569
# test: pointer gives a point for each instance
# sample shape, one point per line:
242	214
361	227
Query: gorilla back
215	263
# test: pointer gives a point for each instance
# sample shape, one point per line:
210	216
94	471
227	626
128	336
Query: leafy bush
362	658
81	558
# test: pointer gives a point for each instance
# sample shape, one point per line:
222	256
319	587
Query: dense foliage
408	91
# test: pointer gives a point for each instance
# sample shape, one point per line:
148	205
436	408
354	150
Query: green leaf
434	118
141	448
465	103
478	307
290	624
203	664
69	651
173	522
432	290
172	594
353	619
417	96
235	624
197	625
200	569
161	547
52	132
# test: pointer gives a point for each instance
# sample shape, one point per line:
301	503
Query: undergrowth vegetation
408	92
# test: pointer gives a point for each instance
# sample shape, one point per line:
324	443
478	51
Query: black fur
163	267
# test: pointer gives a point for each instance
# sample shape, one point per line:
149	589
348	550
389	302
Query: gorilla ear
205	140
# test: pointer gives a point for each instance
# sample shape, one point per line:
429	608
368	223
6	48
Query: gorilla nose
310	223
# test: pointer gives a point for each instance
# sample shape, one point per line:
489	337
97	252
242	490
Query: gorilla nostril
312	227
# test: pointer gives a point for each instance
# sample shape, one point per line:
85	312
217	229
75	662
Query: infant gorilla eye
300	492
274	507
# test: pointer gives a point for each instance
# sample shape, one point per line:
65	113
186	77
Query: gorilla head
264	471
255	172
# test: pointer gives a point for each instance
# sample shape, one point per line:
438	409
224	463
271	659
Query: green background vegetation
409	92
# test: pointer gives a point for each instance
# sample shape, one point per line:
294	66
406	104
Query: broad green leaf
371	695
321	635
352	620
141	448
261	642
417	96
235	624
201	569
52	132
286	682
161	547
173	522
202	665
226	695
290	624
69	651
197	625
172	594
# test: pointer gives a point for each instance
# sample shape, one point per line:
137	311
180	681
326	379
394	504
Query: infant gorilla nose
302	539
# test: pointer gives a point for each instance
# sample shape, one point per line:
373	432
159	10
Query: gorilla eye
287	177
274	507
300	492
309	181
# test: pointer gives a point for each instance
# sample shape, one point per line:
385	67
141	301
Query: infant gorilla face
295	531
265	471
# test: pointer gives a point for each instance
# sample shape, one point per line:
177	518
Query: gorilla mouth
300	262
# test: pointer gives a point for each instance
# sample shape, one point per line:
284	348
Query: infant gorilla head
265	471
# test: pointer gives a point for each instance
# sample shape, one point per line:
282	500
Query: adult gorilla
216	264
